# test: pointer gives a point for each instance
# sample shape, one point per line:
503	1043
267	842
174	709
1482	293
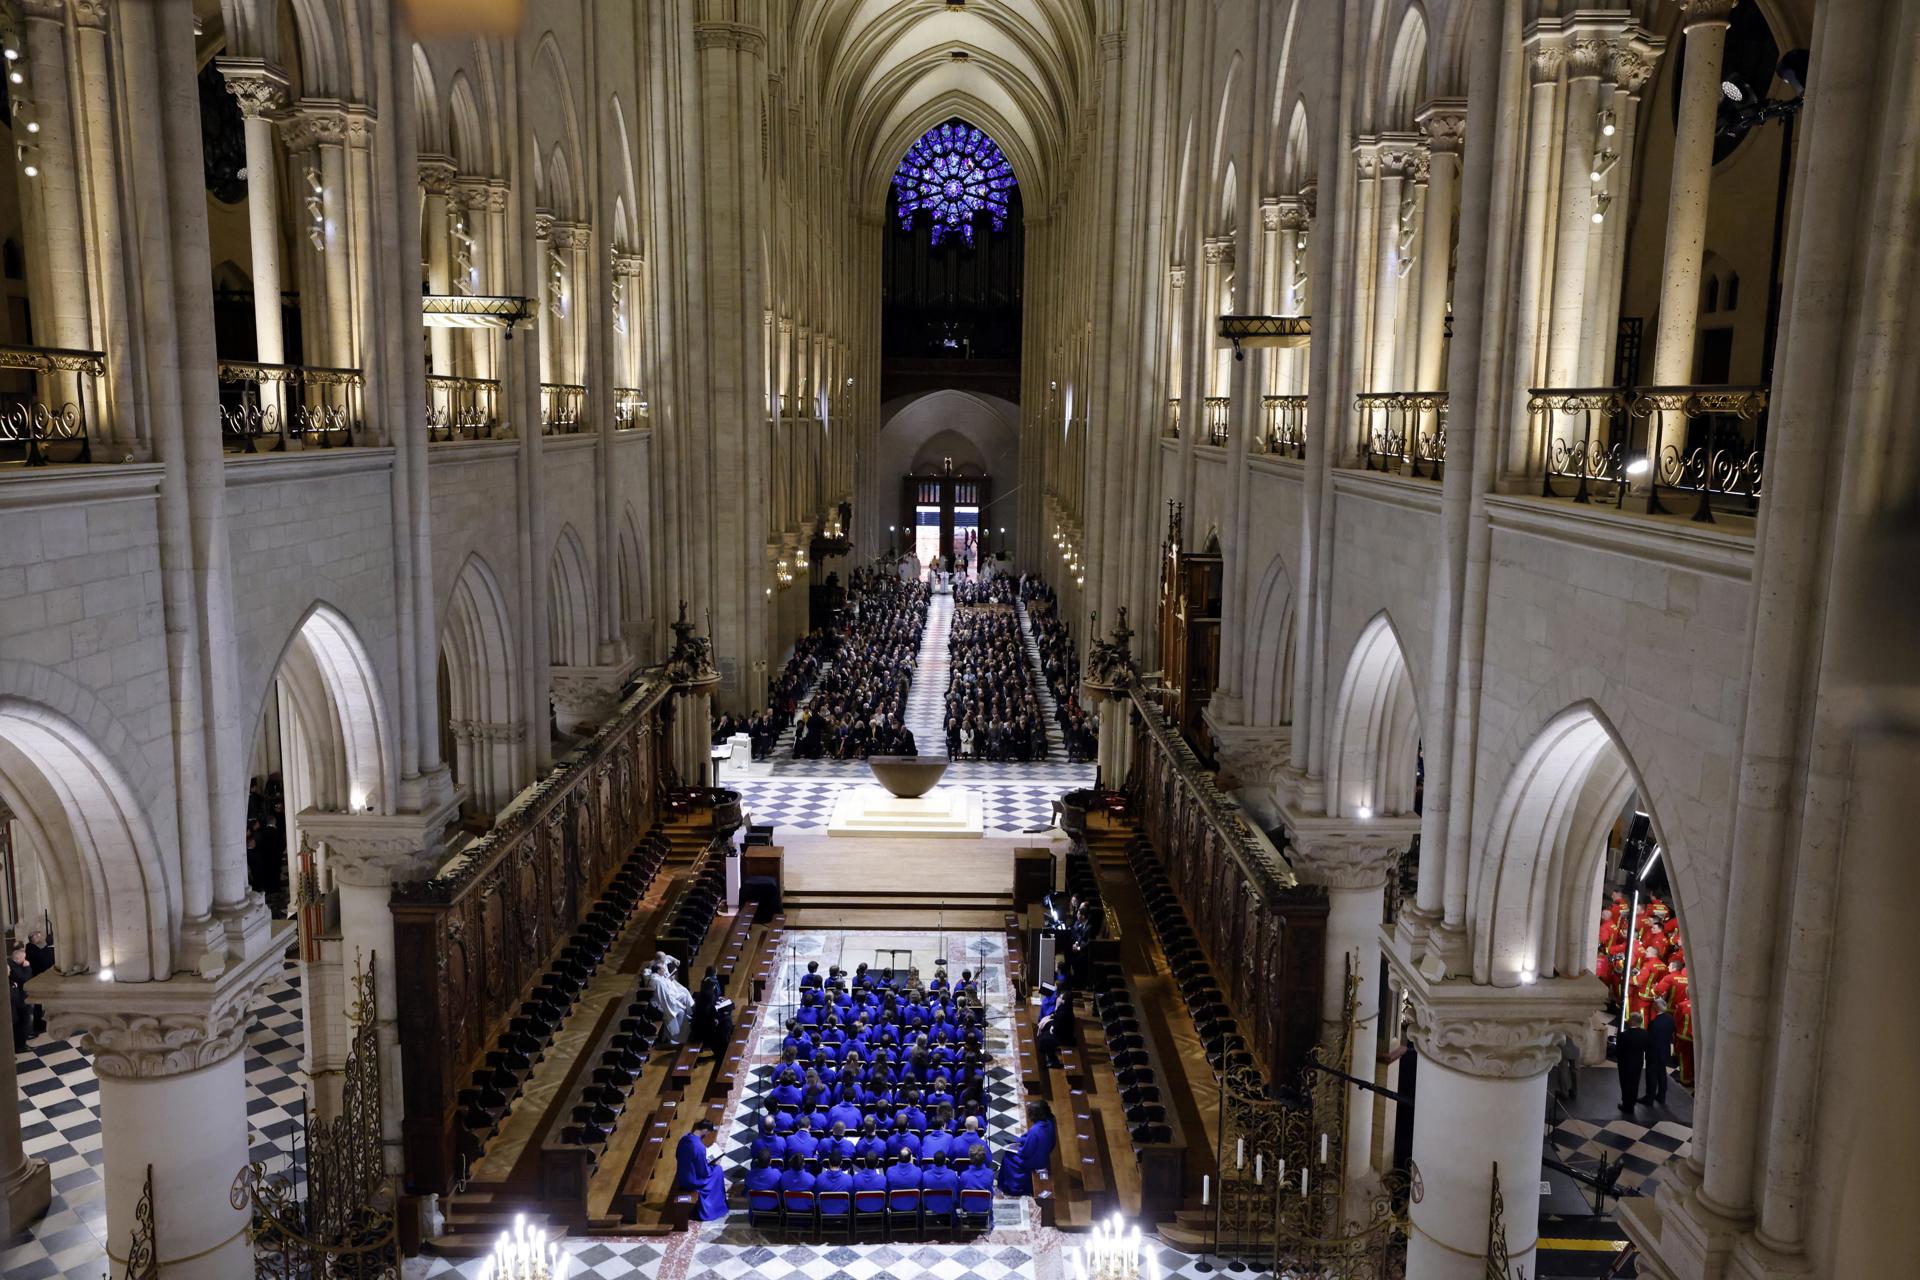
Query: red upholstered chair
800	1212
903	1211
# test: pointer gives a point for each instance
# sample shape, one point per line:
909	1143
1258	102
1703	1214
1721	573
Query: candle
1240	1153
1206	1186
1303	1181
1281	1174
1323	1148
1258	1162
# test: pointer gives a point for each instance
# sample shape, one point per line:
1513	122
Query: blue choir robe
833	1180
844	1113
935	1143
700	1173
902	1175
976	1177
870	1145
770	1144
1018	1162
767	1179
939	1189
802	1143
869	1180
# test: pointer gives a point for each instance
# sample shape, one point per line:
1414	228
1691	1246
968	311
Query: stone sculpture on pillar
691	669
1109	678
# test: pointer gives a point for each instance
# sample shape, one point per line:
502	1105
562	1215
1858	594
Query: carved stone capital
729	35
1177	277
571	235
1704	13
1218	251
1400	155
1633	58
1366	158
1501	1033
488	732
149	1030
256	84
378	849
1346	853
1269	215
328	122
89	13
437	174
1544	61
629	264
1444	122
543	226
1587	56
481	194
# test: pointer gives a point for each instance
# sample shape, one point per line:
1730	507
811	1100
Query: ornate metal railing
50	403
143	1260
1173	417
344	1226
462	408
1282	1206
629	408
282	403
1403	431
1283	426
563	408
1217	409
1499	1265
1654	444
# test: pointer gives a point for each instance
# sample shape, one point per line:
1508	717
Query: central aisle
927	698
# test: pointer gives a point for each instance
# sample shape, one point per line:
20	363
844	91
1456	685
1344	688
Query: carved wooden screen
470	941
1263	933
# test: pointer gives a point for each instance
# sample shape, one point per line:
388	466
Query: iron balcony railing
1403	431
563	408
1657	444
629	408
50	404
1217	408
283	403
1283	425
462	408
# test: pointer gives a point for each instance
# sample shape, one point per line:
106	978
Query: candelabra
523	1254
1114	1253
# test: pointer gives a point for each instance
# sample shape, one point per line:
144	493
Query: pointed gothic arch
1374	744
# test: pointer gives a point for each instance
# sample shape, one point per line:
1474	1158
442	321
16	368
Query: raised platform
943	813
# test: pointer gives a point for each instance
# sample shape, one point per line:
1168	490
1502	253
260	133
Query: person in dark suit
1630	1054
39	952
1659	1053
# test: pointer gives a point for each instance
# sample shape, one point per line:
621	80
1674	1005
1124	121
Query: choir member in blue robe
700	1173
902	1174
868	1175
1032	1152
939	1188
768	1142
765	1174
977	1174
871	1144
834	1178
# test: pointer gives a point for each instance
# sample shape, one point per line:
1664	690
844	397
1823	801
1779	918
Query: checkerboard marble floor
1010	807
1638	1149
60	1123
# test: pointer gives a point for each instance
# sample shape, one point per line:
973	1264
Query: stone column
1704	23
369	853
436	193
1353	860
57	267
261	88
26	1186
173	1097
1444	122
1481	1095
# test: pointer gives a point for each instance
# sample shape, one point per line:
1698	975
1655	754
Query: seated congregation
876	1116
859	701
992	712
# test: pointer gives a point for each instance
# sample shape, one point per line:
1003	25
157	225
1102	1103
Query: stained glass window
954	172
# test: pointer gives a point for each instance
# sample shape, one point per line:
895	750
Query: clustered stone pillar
1705	24
1484	1053
170	1057
436	198
1353	862
260	88
369	853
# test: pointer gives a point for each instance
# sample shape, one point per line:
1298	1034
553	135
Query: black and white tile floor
60	1123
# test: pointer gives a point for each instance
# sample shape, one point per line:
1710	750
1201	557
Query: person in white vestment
673	1000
